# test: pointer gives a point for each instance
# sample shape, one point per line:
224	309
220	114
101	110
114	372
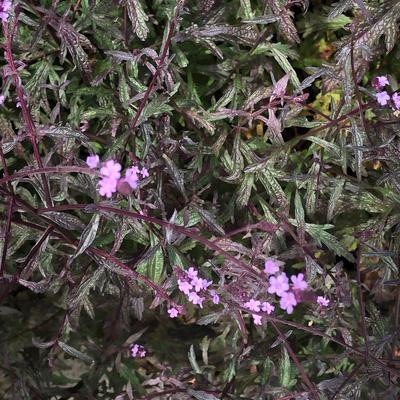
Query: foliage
259	126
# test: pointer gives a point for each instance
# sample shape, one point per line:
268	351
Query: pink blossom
197	283
257	319
323	301
267	307
381	81
279	284
287	302
382	98
196	299
108	186
173	312
298	282
184	286
2	98
191	273
396	100
144	172
111	169
137	350
93	161
131	176
215	297
253	305
18	103
272	265
5	6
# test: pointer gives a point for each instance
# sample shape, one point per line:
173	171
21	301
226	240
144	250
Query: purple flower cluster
287	291
382	96
5	6
137	351
111	180
195	288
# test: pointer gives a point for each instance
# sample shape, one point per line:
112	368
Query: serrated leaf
244	191
176	175
299	213
284	369
75	353
138	18
209	220
193	361
201	395
357	140
88	235
333	200
272	187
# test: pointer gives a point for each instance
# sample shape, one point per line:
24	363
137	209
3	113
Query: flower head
108	186
253	305
196	299
382	98
2	98
144	172
298	282
111	169
137	350
184	286
93	161
271	266
267	307
257	319
278	284
192	273
215	297
396	100
323	301
381	81
173	312
131	176
287	302
5	6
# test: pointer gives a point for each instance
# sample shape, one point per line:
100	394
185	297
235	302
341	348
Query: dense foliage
236	139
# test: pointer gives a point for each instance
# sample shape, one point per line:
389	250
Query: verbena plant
199	199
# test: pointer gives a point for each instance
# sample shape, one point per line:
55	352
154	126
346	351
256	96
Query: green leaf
138	18
244	191
75	353
88	235
284	369
193	361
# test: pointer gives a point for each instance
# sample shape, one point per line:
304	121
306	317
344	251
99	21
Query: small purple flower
131	176
111	169
173	312
267	307
144	172
298	282
279	284
382	98
215	297
93	161
381	81
196	299
257	319
271	266
396	100
5	6
184	286
192	273
253	305
197	283
137	350
108	186
287	302
2	98
18	104
323	301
